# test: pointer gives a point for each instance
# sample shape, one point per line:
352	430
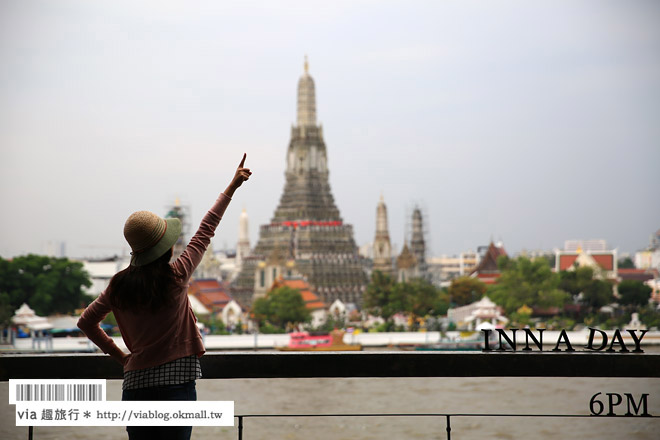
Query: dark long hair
144	288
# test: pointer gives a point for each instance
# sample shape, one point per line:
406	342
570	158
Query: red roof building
604	263
211	293
487	270
312	301
642	275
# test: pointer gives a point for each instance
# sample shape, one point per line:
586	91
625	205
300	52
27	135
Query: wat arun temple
306	237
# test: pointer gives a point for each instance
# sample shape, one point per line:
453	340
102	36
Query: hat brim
172	233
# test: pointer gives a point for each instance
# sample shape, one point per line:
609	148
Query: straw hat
150	236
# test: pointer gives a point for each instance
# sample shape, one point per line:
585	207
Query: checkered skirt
178	371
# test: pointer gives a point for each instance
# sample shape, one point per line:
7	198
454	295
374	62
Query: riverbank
368	340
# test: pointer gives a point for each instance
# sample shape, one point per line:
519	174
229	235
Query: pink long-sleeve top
155	338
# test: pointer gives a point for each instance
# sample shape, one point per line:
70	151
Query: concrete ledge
235	365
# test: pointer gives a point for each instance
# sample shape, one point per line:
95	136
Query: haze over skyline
529	123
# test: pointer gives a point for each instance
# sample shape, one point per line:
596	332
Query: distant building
603	262
316	307
649	258
418	243
446	268
655	293
406	265
227	260
655	240
534	254
411	262
487	270
641	275
243	246
55	249
209	267
180	212
306	228
473	315
214	296
382	248
338	310
101	271
366	251
210	292
268	271
198	307
585	245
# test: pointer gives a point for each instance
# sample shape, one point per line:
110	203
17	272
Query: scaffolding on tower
182	212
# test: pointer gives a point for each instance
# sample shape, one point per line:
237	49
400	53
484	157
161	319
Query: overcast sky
526	122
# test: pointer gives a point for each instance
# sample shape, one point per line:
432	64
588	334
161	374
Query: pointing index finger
242	160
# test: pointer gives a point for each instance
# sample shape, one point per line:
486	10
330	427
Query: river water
399	395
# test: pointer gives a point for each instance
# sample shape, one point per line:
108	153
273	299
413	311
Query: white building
445	267
594	245
100	272
243	245
472	315
648	259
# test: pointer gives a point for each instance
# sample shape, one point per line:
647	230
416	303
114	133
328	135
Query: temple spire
306	99
306	236
382	246
243	245
417	242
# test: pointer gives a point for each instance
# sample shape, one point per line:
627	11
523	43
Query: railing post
448	428
240	427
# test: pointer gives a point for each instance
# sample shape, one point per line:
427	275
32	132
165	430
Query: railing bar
375	364
443	415
448	428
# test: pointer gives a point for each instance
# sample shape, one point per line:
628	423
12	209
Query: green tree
385	297
634	293
441	303
214	324
382	297
422	296
422	299
525	282
551	259
331	323
6	311
281	307
626	263
597	294
594	293
466	290
47	284
575	281
650	316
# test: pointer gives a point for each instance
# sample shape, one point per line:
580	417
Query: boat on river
315	341
467	341
467	345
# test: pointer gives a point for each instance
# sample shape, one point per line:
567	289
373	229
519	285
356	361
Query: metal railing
446	416
266	365
263	365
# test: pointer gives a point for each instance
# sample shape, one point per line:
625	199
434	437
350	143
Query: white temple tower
306	234
382	245
306	99
243	246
